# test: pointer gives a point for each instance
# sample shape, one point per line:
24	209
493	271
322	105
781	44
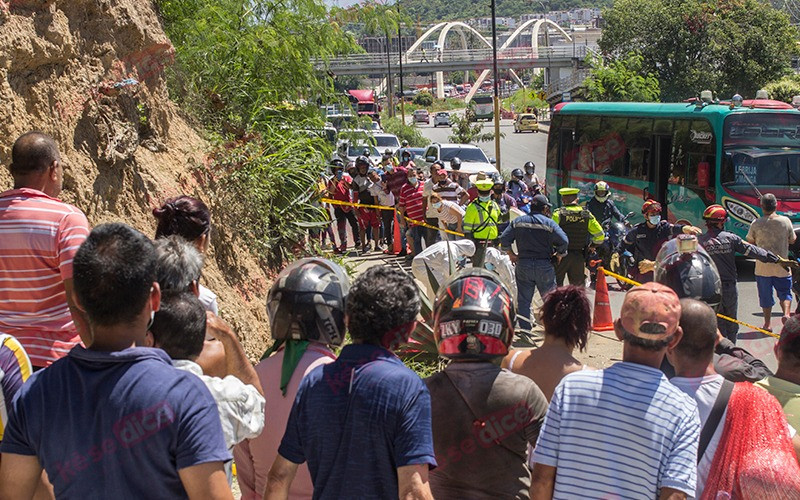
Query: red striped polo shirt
39	236
411	199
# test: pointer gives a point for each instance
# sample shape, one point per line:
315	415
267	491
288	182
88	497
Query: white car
473	159
386	141
441	118
349	152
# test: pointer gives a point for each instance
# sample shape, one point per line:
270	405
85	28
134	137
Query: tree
423	98
464	132
621	80
727	46
783	89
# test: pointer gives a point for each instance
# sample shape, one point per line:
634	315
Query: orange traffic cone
602	321
396	239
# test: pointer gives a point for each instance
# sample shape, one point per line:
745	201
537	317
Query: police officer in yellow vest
582	230
480	220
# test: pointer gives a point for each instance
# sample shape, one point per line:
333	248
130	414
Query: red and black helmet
715	213
651	207
473	316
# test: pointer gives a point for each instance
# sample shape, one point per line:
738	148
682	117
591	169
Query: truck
364	103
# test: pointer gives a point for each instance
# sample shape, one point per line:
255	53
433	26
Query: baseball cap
650	311
540	201
441	172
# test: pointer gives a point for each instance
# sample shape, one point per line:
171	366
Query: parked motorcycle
611	253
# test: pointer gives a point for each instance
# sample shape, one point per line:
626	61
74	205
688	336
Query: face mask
443	182
437	205
339	175
388	168
413	181
529	172
654	219
485	198
601	199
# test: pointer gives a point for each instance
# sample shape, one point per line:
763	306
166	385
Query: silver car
441	118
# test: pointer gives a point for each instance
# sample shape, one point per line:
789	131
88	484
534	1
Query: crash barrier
381	207
726	318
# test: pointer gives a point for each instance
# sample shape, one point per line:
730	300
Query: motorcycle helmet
362	160
473	316
715	213
651	207
601	191
683	265
517	174
404	144
529	167
307	301
455	163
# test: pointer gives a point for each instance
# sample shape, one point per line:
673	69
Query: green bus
482	107
685	155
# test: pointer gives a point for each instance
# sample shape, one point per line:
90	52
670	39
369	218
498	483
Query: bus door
566	153
660	169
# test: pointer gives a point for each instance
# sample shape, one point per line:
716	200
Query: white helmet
601	191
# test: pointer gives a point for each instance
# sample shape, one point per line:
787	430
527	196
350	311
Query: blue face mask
654	219
339	175
485	198
413	181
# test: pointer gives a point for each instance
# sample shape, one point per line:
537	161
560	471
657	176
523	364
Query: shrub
423	99
409	133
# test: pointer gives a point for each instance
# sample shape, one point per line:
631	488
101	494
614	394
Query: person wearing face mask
405	159
431	217
582	230
460	178
450	215
339	189
503	200
644	240
517	186
531	179
410	204
601	205
481	219
388	159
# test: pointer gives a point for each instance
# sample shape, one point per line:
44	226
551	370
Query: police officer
601	205
723	246
579	225
645	239
480	220
538	239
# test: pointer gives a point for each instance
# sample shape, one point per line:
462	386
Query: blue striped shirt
622	432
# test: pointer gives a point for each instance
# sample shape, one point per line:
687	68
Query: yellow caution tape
726	318
382	207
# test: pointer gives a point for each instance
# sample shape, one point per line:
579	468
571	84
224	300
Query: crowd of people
120	379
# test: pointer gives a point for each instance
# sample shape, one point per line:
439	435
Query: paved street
516	149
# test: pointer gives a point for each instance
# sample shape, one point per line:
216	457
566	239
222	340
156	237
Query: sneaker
341	249
365	249
378	247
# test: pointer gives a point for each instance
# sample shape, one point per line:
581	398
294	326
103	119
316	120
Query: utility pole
389	102
496	91
400	54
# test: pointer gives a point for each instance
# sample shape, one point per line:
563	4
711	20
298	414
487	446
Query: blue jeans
532	274
415	234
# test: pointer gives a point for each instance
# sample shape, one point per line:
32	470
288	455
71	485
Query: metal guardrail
569	83
483	55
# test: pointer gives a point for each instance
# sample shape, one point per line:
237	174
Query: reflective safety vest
480	219
574	220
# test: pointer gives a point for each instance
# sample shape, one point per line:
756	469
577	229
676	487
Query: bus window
588	136
552	144
662	127
611	157
639	133
701	151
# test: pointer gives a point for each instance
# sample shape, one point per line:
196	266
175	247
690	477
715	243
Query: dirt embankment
91	74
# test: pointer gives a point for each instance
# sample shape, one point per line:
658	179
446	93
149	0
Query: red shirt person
410	205
41	235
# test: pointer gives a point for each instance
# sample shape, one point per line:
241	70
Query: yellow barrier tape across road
726	318
382	207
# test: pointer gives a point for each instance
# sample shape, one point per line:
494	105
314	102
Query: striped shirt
622	432
449	192
15	368
40	236
411	199
450	213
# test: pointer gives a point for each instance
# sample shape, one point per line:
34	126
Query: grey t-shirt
481	443
774	233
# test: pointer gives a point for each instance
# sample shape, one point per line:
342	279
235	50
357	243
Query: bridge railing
482	55
567	84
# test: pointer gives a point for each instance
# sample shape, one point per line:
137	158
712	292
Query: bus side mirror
703	174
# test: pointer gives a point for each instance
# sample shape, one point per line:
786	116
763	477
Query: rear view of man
40	235
363	422
597	419
580	227
115	419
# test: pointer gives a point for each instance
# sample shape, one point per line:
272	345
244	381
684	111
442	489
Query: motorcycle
611	253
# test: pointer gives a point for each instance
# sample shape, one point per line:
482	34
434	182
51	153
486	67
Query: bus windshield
762	130
750	171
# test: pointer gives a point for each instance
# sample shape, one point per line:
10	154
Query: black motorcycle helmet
529	167
307	301
455	163
473	316
683	265
362	160
517	174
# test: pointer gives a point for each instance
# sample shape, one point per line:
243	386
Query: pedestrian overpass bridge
559	62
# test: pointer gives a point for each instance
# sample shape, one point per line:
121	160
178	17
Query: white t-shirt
381	196
427	190
208	299
704	391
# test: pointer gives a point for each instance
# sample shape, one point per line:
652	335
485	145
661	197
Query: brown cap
651	311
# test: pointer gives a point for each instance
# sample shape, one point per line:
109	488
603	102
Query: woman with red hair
567	319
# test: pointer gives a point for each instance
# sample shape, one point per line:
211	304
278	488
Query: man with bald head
41	234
